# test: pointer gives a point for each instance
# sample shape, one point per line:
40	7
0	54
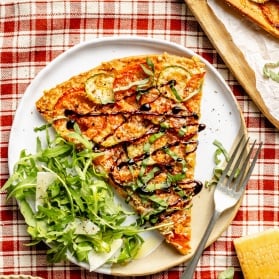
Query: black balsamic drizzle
152	120
201	127
198	187
142	112
145	107
70	124
176	109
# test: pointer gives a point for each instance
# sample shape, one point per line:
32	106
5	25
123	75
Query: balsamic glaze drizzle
190	187
141	112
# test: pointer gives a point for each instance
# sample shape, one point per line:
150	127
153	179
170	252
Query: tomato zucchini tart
142	115
265	13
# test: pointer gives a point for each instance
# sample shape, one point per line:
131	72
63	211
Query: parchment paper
258	48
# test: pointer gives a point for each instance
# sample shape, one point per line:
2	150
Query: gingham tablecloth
32	33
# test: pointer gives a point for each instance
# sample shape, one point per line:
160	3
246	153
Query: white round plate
220	114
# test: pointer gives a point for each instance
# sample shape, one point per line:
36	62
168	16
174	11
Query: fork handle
190	269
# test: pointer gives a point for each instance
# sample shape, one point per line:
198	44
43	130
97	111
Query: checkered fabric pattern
32	33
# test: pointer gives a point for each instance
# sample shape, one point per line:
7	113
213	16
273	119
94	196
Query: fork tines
239	169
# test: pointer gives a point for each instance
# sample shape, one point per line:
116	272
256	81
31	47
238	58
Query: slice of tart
142	115
264	13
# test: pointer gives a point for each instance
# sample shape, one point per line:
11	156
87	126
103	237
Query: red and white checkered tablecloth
32	33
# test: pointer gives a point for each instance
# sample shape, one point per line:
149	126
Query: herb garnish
220	155
269	73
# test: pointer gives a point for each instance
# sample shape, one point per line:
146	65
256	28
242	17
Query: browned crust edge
253	12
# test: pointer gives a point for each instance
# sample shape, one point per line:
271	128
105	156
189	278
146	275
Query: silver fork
228	191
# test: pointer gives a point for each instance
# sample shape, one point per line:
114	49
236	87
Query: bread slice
265	15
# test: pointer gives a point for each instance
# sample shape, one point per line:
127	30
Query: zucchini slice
172	82
99	88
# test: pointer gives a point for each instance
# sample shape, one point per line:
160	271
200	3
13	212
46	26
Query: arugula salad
68	204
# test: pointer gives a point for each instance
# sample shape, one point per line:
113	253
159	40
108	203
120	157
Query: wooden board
231	55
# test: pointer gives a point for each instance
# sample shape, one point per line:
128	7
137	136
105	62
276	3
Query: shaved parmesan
85	227
98	259
152	240
44	180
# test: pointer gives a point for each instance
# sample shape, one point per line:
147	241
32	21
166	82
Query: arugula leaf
131	247
269	73
220	151
74	212
227	274
220	155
